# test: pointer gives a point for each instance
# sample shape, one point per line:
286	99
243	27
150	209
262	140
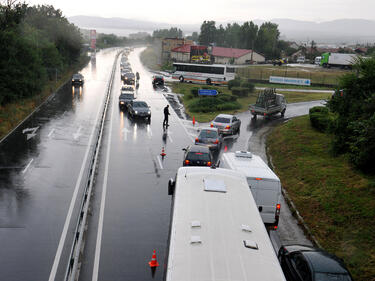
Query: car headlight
72	80
121	102
149	112
136	112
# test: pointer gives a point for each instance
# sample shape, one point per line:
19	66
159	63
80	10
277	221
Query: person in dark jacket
166	114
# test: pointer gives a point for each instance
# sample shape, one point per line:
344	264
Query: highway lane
131	208
42	168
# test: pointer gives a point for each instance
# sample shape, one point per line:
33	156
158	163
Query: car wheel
283	113
181	79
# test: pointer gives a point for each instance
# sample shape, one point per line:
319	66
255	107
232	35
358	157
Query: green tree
354	105
208	33
267	39
249	32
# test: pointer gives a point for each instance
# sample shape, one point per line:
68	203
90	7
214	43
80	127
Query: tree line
36	42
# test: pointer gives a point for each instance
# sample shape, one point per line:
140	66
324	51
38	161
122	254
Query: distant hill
336	31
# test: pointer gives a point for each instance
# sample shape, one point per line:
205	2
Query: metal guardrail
72	269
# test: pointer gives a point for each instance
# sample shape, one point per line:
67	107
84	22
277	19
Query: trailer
268	103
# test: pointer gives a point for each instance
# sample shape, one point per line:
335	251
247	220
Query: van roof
252	166
214	214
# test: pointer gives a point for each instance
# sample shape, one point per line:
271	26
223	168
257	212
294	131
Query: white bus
216	231
203	73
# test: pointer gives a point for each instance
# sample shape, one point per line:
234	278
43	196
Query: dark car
78	79
196	155
209	137
305	263
158	80
125	98
139	109
226	124
128	78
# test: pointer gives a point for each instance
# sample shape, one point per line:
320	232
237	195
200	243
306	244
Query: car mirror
184	149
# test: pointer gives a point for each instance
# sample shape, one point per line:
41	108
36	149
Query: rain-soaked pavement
43	164
42	167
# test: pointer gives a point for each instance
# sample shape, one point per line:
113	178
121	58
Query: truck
339	60
268	103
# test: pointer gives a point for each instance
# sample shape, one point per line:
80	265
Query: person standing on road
166	113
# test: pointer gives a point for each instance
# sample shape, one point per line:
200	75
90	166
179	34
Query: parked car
139	109
197	155
158	80
301	59
209	137
226	124
305	263
78	79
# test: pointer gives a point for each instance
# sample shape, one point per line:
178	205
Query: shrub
248	85
194	91
234	83
240	91
320	118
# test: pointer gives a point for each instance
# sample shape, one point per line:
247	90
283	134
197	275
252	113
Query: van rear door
267	195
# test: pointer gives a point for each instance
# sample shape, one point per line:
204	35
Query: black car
77	79
197	155
305	263
139	109
158	80
128	78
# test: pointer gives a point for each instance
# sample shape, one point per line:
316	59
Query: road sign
207	92
290	80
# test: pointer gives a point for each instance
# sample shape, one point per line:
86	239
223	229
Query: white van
216	231
263	182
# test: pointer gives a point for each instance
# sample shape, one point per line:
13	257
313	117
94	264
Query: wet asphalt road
130	210
42	167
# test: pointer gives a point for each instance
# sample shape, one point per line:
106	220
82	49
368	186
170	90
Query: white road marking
169	136
50	133
32	130
95	271
125	133
78	133
60	247
149	131
27	166
160	162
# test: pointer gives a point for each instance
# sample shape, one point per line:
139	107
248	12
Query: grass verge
336	201
14	113
150	58
291	97
315	74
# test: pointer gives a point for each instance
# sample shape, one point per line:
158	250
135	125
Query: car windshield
77	76
129	89
323	276
126	96
139	104
208	134
222	120
130	75
198	156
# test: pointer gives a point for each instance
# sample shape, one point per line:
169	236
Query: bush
210	104
194	91
240	91
248	85
234	83
320	118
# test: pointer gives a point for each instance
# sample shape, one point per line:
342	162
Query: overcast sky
195	11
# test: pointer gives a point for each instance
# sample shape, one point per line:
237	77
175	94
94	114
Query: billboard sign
290	80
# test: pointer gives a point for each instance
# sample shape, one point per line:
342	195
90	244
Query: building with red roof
219	55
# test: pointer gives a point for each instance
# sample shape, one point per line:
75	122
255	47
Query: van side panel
267	194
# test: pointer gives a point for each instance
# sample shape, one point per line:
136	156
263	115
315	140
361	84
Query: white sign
290	80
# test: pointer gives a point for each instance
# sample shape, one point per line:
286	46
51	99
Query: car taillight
277	213
187	162
275	227
208	163
211	125
216	141
227	127
196	140
265	114
278	207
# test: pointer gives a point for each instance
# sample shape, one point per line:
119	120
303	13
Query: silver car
226	124
209	137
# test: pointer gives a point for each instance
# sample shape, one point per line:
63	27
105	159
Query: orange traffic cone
153	262
162	154
193	120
